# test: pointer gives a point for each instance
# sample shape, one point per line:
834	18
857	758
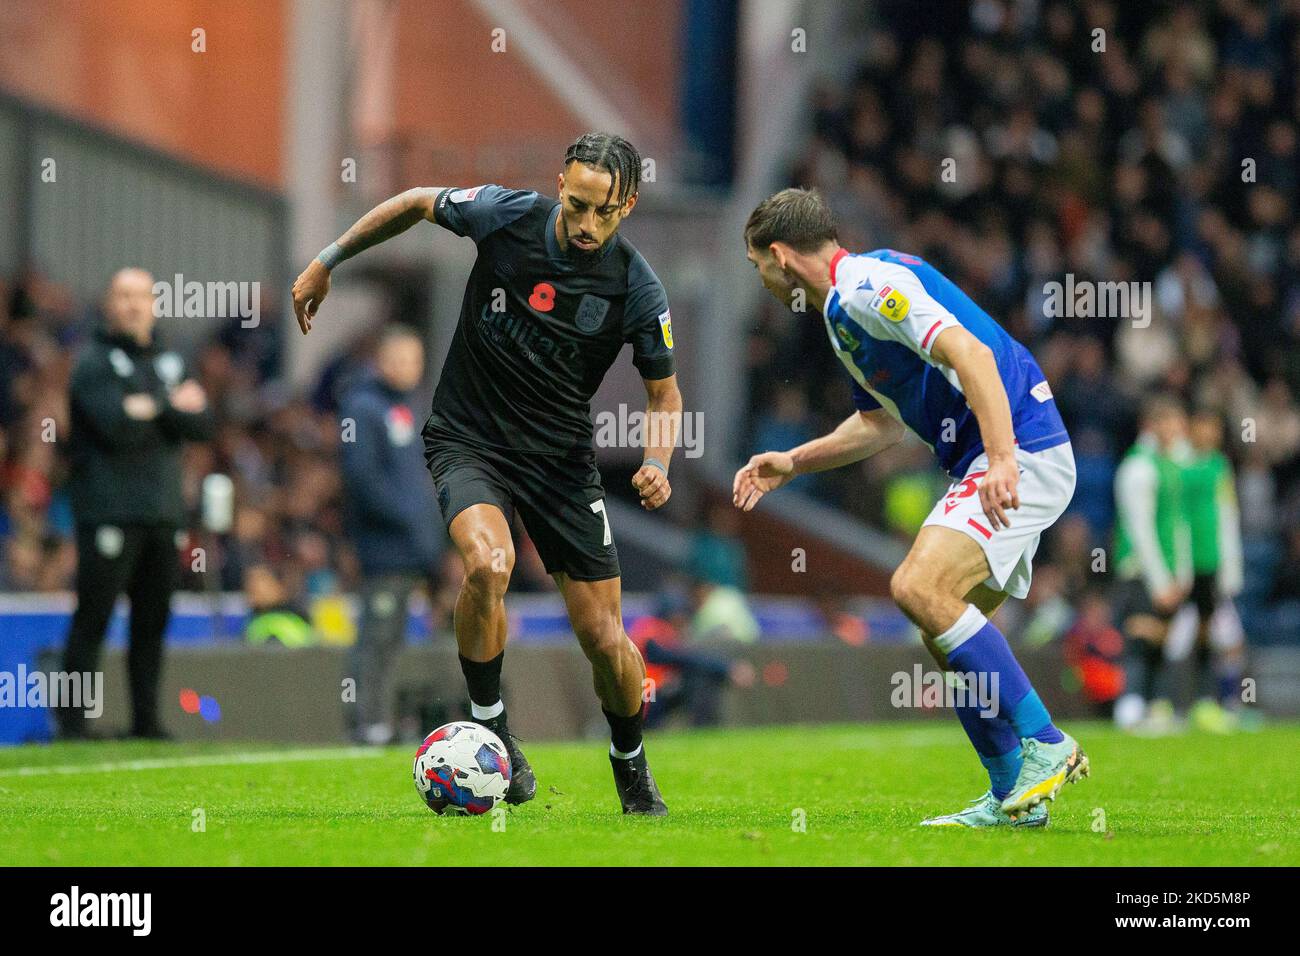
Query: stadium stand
1131	166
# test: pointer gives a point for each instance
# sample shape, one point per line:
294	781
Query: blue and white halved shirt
883	314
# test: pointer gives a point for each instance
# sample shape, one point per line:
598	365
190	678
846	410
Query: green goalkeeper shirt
1210	503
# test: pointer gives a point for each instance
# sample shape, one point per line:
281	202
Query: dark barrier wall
275	694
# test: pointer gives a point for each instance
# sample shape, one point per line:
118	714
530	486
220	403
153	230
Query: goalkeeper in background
1209	625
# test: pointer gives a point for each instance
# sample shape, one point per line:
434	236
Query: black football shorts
1132	599
559	498
1205	594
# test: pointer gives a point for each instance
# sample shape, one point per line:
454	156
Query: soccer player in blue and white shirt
925	358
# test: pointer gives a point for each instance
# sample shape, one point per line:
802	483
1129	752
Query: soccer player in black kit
552	299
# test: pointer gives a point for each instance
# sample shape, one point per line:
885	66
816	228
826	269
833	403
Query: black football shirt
539	328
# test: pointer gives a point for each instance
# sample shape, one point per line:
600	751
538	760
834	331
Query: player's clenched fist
309	290
764	473
652	485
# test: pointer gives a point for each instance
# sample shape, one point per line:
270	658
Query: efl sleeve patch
478	211
648	325
666	327
891	303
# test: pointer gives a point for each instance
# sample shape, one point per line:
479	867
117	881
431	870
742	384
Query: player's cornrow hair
798	217
613	154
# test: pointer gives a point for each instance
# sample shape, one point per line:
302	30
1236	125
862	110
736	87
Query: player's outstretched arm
664	414
977	370
859	436
390	218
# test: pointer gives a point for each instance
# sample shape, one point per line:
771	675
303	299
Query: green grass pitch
736	798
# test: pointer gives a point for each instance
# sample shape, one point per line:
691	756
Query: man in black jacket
132	408
391	519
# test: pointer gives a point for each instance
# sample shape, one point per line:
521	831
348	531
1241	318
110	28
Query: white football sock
487	713
963	629
622	756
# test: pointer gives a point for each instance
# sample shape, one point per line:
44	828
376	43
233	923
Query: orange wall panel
127	66
466	114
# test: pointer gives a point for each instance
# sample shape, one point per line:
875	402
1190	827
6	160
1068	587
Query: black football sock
624	733
1143	667
483	678
1204	680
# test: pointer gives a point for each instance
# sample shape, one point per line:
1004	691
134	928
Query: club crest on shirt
591	313
845	336
109	540
401	425
169	367
121	363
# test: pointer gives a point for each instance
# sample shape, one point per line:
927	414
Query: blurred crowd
286	549
1013	144
305	531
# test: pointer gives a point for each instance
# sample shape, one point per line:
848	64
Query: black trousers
379	640
140	561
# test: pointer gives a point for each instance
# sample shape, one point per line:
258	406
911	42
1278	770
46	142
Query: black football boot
636	786
523	784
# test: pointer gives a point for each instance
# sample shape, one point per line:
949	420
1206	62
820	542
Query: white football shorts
1046	486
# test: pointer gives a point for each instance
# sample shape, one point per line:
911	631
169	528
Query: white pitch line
917	737
211	760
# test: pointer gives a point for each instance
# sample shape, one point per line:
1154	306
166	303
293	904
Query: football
462	768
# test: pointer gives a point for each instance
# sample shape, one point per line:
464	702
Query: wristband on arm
656	463
331	255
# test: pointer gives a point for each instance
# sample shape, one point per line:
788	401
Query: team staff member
132	408
390	517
